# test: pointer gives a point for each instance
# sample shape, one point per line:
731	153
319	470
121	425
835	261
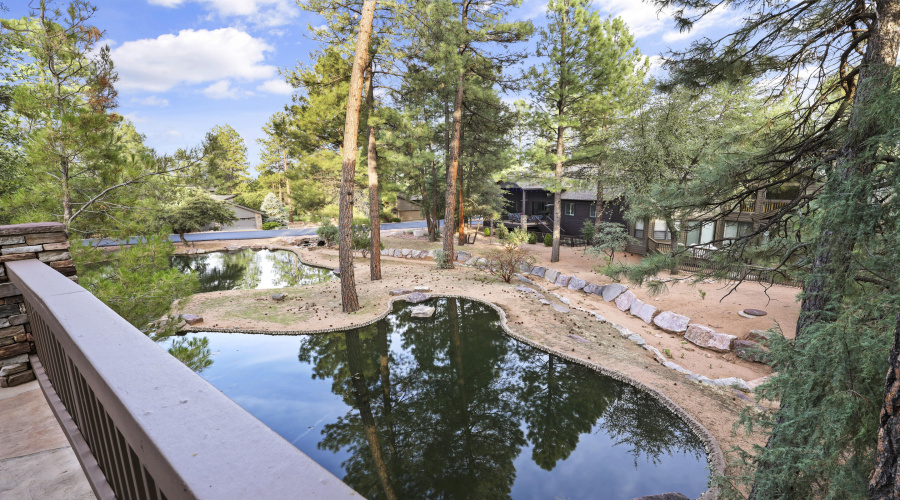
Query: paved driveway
249	235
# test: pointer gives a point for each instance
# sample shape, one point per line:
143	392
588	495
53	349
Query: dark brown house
578	206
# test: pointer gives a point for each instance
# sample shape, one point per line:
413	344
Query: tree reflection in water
443	407
248	269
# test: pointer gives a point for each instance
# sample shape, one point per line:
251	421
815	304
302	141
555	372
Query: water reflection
448	407
248	269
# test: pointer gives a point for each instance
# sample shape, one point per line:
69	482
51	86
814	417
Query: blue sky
188	65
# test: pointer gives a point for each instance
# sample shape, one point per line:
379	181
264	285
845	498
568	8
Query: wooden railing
655	246
748	205
142	424
772	205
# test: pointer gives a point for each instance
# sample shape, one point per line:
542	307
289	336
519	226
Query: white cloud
221	90
656	63
641	18
275	86
718	18
152	101
263	13
134	118
191	56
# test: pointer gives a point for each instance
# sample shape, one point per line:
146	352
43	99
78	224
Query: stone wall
49	243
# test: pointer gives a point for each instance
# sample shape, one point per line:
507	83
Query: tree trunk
287	182
374	198
461	223
450	209
349	299
883	484
434	210
557	196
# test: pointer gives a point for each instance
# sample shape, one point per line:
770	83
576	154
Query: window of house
570	208
639	229
661	231
700	233
738	229
593	212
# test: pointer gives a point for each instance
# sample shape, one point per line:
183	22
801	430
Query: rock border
714	456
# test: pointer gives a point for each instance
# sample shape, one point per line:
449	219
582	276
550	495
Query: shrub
395	219
275	211
589	232
611	238
442	259
362	239
532	238
502	232
487	231
270	225
506	261
328	232
548	240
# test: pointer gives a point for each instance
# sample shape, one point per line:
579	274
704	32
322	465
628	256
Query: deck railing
773	205
142	424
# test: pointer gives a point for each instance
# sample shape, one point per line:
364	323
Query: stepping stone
416	297
192	319
671	322
399	291
278	297
623	302
562	309
610	292
422	312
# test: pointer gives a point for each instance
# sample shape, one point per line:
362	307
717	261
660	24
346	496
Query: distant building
247	218
578	206
408	210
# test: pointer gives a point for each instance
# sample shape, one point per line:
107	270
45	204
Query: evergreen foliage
194	212
275	211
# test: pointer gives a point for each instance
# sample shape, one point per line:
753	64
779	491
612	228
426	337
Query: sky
186	66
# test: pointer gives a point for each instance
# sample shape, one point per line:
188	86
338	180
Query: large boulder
647	313
749	350
463	256
708	338
577	283
599	290
623	302
405	252
525	268
192	319
551	275
610	292
398	252
539	271
417	297
636	305
671	322
422	312
562	280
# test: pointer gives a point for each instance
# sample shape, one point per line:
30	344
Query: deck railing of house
656	246
748	205
772	205
142	424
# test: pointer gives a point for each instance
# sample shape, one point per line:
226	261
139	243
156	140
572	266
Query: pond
451	407
250	269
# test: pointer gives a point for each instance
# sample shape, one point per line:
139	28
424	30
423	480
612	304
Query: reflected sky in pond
449	407
248	269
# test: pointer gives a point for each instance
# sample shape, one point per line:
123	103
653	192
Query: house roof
245	208
568	194
403	204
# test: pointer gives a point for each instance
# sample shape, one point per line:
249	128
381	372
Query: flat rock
664	496
422	289
599	290
538	271
753	384
623	331
405	252
646	313
623	301
463	256
523	279
636	305
562	280
671	322
551	275
562	309
15	360
637	339
278	297
192	319
656	354
398	252
399	291
577	283
735	382
755	312
708	338
544	302
610	292
524	289
417	297
563	299
759	335
579	339
525	267
589	288
419	232
749	350
422	311
678	368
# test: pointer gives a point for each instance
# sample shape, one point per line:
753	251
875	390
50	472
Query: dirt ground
318	307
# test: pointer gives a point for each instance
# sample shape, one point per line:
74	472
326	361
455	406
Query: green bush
395	219
270	225
362	239
532	238
328	232
548	240
502	232
442	259
487	231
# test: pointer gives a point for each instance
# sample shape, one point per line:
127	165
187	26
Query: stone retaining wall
49	243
